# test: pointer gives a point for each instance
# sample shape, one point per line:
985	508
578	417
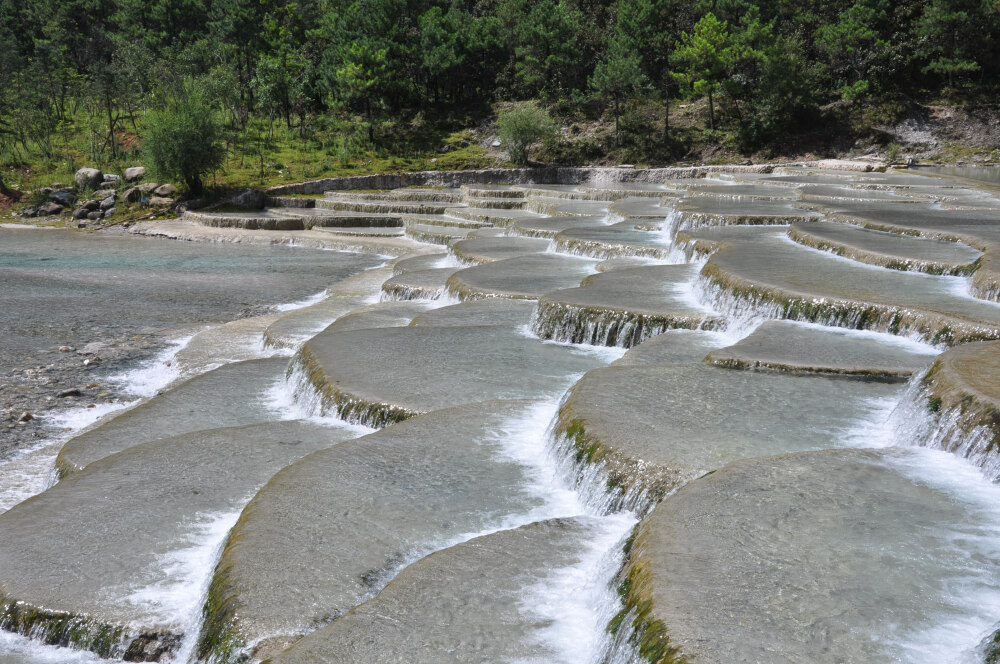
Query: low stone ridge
649	429
897	252
606	177
549	227
381	314
494	311
366	376
621	308
523	278
231	395
671	347
558	207
296	326
621	239
466	602
249	220
790	575
328	532
487	250
974	227
83	563
743	191
437	233
316	218
962	391
811	286
788	346
418	284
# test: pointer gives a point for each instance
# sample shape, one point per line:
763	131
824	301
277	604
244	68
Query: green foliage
949	38
183	141
701	59
618	76
520	127
892	153
78	77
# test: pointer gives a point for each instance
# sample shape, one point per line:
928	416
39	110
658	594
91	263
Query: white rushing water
182	579
971	586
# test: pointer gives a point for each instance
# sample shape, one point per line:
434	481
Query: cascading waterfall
920	420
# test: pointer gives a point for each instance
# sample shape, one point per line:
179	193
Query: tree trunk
617	132
711	111
666	108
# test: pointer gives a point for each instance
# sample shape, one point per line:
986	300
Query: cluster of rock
105	197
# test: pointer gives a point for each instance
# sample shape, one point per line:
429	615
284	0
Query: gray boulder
64	198
28	212
165	190
110	212
80	213
135	173
108	203
95	215
90	206
132	195
148	187
101	194
49	208
88	178
161	201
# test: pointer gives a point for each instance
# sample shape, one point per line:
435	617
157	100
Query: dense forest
80	77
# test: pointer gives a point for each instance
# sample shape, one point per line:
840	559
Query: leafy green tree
361	79
547	55
770	83
618	76
520	127
855	50
184	140
949	31
701	57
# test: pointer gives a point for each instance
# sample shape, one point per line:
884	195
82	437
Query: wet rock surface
806	492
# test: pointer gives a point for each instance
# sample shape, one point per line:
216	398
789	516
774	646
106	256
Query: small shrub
184	141
892	153
521	127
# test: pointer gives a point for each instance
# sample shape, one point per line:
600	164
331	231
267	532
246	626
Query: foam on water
607	354
182	575
303	303
152	376
449	260
293	397
577	602
16	649
973	588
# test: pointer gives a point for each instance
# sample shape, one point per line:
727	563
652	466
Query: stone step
466	601
367	376
107	559
232	395
622	307
525	277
